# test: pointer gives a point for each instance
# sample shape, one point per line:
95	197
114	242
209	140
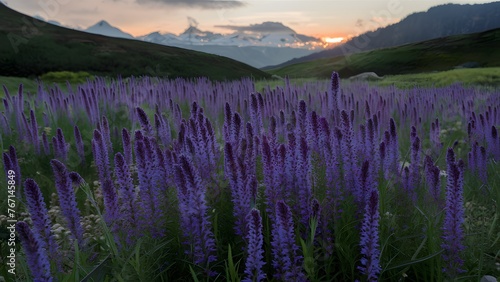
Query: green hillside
471	50
29	48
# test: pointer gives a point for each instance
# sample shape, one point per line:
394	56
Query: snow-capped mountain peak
104	28
259	45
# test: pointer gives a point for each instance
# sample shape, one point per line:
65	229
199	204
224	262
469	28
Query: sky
319	18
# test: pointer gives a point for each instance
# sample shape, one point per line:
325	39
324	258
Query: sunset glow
333	39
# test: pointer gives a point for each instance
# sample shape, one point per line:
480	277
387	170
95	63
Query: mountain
439	21
49	47
267	34
104	28
257	45
441	54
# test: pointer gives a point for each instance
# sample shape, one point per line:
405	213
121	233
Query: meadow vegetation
149	179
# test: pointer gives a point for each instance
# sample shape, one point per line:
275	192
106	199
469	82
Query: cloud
200	4
262	27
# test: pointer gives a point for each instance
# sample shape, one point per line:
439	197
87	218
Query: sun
333	39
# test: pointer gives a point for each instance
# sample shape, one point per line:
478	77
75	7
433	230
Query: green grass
478	49
479	76
30	48
12	84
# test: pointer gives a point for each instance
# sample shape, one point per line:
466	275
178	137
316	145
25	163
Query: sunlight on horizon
332	39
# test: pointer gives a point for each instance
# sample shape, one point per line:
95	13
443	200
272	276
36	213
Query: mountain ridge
437	21
53	48
439	54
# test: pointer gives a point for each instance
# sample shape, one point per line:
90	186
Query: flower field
148	179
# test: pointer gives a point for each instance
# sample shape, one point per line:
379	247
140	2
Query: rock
366	76
488	278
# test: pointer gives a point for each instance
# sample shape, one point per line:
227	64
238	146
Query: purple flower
67	200
100	151
40	217
348	149
333	93
14	163
482	165
144	121
5	125
267	159
494	143
28	135
453	233
228	115
36	256
254	263
365	183
236	172
145	171
34	131
303	179
414	177
79	144
286	262
163	130
106	134
127	147
370	262
62	146
394	146
126	196
193	210
432	176
45	142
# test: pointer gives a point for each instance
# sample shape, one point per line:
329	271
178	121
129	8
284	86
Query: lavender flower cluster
287	155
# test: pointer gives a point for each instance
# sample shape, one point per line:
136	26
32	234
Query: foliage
214	181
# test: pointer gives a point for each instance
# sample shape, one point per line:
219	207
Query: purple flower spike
254	263
494	143
45	142
34	131
61	148
79	144
15	163
370	263
453	233
67	200
333	93
144	121
127	146
194	218
414	177
432	175
106	133
36	256
126	196
286	262
40	217
100	151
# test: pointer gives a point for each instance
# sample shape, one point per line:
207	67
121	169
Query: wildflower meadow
150	179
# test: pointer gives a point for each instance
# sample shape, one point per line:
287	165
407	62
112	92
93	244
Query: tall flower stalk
40	218
255	251
370	262
37	259
67	200
453	233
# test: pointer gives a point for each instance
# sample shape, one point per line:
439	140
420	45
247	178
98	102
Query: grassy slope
433	55
29	47
475	76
